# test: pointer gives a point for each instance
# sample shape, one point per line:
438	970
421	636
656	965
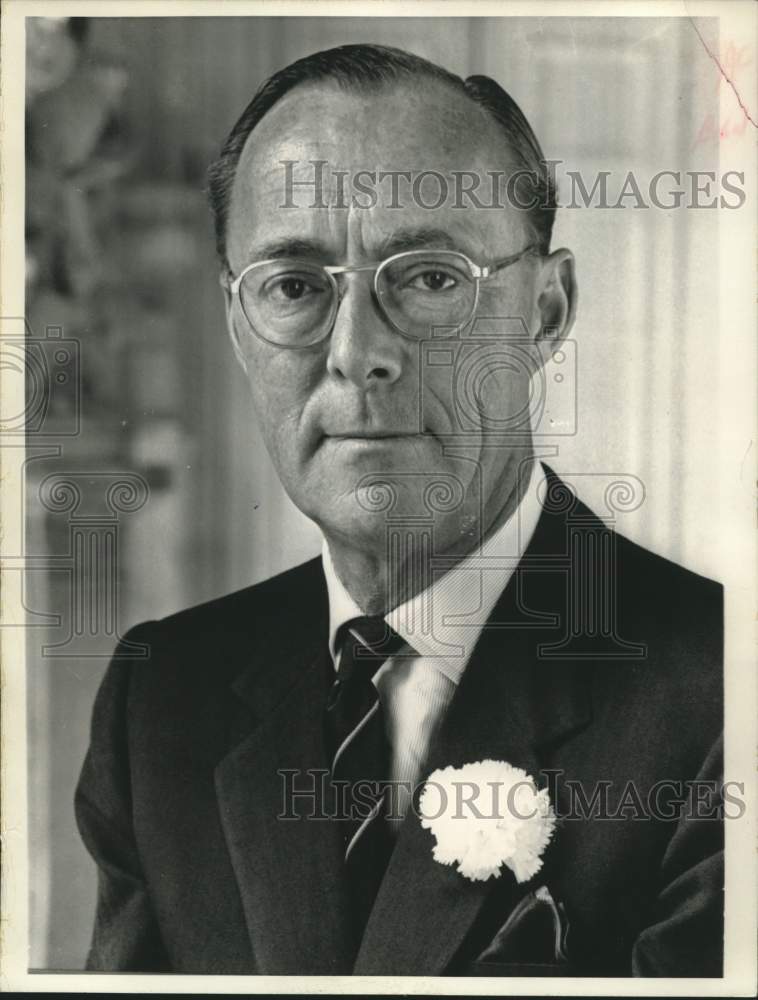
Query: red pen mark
733	60
712	129
734	66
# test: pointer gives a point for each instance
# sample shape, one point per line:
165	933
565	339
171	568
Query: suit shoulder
645	575
295	588
661	579
673	613
202	648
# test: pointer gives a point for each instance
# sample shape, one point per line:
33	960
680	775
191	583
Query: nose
363	349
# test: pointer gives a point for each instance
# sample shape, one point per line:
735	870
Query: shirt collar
445	620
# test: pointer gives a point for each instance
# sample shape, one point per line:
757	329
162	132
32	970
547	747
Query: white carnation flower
487	814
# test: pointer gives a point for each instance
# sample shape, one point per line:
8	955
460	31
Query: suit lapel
510	704
288	869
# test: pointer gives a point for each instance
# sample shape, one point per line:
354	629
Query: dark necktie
360	757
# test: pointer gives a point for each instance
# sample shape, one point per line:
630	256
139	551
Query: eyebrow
418	239
396	242
287	247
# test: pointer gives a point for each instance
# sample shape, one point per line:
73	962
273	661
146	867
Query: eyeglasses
293	303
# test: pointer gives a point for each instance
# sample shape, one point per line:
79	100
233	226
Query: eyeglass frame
478	273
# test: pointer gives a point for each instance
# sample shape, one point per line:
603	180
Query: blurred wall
162	396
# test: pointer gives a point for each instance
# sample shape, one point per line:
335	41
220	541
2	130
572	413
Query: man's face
368	405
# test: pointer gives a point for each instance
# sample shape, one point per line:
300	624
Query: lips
370	435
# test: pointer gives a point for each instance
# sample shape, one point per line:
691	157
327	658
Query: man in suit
238	795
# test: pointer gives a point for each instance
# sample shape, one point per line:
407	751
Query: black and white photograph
378	511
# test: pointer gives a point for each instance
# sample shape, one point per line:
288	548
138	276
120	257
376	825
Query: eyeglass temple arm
507	261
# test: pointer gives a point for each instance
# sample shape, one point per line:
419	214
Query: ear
230	324
556	301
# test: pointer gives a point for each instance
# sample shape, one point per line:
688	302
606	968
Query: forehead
418	128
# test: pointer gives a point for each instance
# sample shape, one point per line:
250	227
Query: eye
290	288
432	280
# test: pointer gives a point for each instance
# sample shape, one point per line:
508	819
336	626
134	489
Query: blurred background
123	117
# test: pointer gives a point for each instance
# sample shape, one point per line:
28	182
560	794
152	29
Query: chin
368	516
360	501
356	528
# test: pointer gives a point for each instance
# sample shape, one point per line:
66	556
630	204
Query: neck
378	584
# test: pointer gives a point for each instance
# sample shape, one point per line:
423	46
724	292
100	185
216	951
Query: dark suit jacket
599	673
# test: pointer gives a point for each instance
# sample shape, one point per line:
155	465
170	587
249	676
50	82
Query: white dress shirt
442	624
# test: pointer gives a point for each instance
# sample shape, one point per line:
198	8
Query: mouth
366	439
387	444
365	435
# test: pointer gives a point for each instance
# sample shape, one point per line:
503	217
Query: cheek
485	389
502	394
509	309
281	383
